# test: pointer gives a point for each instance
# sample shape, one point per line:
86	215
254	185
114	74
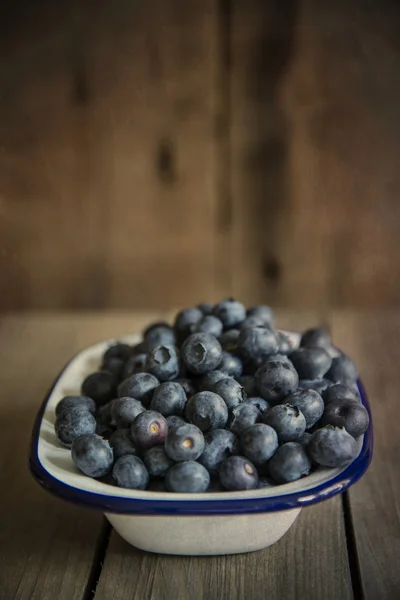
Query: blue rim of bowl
217	505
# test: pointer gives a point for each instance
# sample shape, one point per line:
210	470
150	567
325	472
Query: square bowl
185	524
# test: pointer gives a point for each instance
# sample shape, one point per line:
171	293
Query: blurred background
155	154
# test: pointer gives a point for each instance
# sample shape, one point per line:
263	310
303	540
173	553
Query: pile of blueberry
218	401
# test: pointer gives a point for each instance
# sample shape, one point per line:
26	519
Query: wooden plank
374	344
315	91
108	163
310	561
47	546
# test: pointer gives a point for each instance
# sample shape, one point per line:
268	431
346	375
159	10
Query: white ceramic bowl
191	524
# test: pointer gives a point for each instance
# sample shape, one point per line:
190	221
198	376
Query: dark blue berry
121	443
288	422
353	416
148	429
115	366
206	410
125	410
162	362
251	322
140	386
92	455
74	402
201	353
304	440
134	364
228	340
208	380
130	472
230	391
262	312
259	442
316	338
243	416
188	477
343	370
311	363
157	462
72	423
169	399
230	312
209	324
158	334
332	447
309	402
318	385
248	382
289	463
219	444
185	320
184	443
276	379
188	385
119	351
285	343
174	421
238	473
340	391
231	365
206	308
257	343
100	386
262	405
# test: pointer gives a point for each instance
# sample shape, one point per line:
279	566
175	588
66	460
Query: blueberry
130	472
125	410
276	379
206	308
169	399
288	422
251	322
140	386
248	382
289	463
184	322
187	477
209	324
188	385
206	410
286	345
184	443
158	334
343	370
157	462
201	353
148	429
259	442
208	380
231	365
257	342
304	440
309	402
316	338
332	447
115	366
119	351
121	443
219	444
162	362
139	348
350	415
238	473
311	363
230	391
340	391
72	423
76	401
243	416
100	386
262	405
318	385
173	421
262	312
228	340
134	364
92	455
230	312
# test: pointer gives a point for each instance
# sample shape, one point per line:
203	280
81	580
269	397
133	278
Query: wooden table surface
346	547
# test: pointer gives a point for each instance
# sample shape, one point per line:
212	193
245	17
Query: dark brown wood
374	343
315	91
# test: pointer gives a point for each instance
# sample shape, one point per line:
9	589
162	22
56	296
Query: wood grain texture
108	160
315	91
374	501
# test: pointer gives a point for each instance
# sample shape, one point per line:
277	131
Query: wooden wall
156	153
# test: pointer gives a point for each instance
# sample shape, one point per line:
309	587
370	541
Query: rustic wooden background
156	153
